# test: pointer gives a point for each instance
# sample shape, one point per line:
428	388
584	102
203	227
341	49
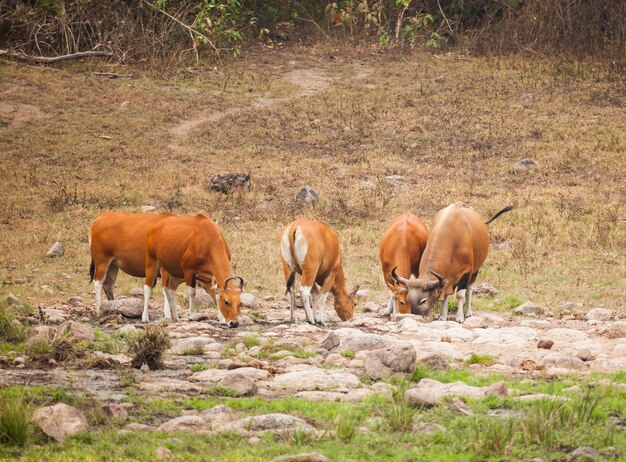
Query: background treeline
189	29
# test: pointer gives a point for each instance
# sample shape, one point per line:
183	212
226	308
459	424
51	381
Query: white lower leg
191	295
292	306
460	301
98	288
321	305
170	298
468	302
167	312
147	290
443	316
305	294
389	306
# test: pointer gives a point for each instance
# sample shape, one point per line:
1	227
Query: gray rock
430	392
371	307
76	331
115	411
529	308
227	182
565	362
330	341
363	341
383	363
76	301
148	208
184	423
60	421
459	407
599	314
240	384
307	196
524	165
545	344
56	250
435	361
249	300
583	454
304	457
484	290
261	423
12	300
312	378
217	375
20	361
127	307
584	354
163	453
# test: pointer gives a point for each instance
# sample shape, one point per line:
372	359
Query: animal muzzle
233	324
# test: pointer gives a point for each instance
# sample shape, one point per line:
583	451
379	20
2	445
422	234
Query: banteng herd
418	267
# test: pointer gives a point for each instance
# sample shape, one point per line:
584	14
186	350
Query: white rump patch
285	250
300	246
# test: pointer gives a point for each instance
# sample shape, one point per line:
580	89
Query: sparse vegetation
196	350
148	347
11	329
15	427
199	367
476	358
348	354
396	412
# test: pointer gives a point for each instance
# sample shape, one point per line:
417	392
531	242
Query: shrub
396	412
11	330
148	347
15	415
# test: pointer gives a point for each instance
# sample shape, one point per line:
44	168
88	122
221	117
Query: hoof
442	318
146	320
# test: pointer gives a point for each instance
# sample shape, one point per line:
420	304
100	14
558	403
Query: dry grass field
73	145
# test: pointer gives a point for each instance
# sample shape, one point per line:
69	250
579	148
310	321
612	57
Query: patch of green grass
480	359
127	378
196	350
257	315
251	340
109	343
219	390
396	412
199	367
11	329
15	426
12	350
455	375
348	354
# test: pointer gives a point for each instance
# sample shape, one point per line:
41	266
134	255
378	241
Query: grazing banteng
118	241
193	250
401	248
311	248
456	249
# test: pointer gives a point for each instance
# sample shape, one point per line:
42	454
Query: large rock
304	457
583	454
185	345
217	375
240	384
304	377
184	423
564	337
261	423
227	182
60	421
371	307
380	364
128	307
430	392
360	341
76	331
566	362
306	196
330	341
484	289
249	300
599	314
56	250
529	308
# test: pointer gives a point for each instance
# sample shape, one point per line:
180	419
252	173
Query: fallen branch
54	59
111	75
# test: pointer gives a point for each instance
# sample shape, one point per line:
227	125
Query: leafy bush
148	347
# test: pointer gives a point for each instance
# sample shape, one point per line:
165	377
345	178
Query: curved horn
438	276
234	278
400	279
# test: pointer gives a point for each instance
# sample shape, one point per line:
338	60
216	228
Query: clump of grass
257	315
11	330
396	412
63	349
480	359
196	350
42	349
15	427
348	354
250	340
199	367
127	378
219	390
111	344
148	347
39	349
346	426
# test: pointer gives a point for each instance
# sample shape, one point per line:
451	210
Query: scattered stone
599	314
529	308
312	378
383	363
240	384
253	440
56	250
144	368
306	196
545	344
20	361
573	389
330	341
163	453
524	165
76	301
128	307
430	392
76	331
304	457
12	300
115	411
60	421
184	423
584	354
583	454
459	407
371	307
484	289
249	300
226	182
148	208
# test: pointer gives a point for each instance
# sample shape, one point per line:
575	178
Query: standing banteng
456	249
311	248
401	248
192	250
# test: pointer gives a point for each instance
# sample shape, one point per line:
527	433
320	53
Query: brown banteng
457	247
311	249
117	241
401	248
192	250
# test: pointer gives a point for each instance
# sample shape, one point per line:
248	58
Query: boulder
56	250
240	384
76	331
330	341
583	454
306	196
304	457
545	344
227	182
566	362
60	421
484	290
430	392
363	341
163	453
383	363
249	300
261	423
184	423
599	314
371	307
115	411
128	307
217	375
312	378
529	308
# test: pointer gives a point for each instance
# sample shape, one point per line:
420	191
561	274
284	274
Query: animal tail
290	281
92	271
504	210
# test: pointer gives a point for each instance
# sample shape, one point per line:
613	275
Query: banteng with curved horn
457	248
192	250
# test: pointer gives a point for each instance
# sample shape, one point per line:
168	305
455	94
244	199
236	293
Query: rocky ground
343	361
